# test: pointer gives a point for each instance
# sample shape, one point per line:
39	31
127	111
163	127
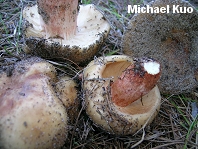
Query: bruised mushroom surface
171	38
58	30
102	100
31	113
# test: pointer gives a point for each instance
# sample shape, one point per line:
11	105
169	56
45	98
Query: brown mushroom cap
170	38
92	30
98	76
31	114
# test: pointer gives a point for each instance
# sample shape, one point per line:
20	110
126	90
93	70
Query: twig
161	146
177	147
140	141
76	124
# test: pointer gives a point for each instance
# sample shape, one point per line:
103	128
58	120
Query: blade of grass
192	127
136	2
86	1
180	112
19	31
112	52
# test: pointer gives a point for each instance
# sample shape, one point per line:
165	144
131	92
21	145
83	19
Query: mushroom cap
31	114
171	38
92	30
115	119
67	93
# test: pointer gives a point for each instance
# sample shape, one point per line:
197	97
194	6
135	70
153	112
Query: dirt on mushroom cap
169	38
67	93
31	114
92	30
100	108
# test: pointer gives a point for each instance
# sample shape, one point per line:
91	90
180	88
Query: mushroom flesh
114	112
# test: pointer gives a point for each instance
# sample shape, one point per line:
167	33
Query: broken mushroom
55	29
171	38
121	95
31	113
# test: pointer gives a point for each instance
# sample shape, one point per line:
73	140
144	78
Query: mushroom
67	93
171	38
55	29
120	94
31	113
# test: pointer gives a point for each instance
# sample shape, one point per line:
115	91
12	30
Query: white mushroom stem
58	17
135	81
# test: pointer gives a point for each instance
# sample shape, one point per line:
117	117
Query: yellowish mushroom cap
98	76
32	114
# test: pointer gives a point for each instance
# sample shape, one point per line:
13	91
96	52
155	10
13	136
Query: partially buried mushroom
171	38
63	29
121	95
32	113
